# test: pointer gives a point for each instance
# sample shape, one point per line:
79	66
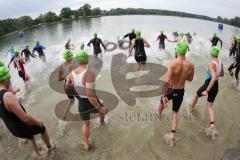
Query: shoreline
89	17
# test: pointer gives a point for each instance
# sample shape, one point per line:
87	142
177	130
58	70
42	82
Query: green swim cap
138	33
4	73
133	30
181	34
37	42
215	34
67	54
82	56
15	52
238	38
182	47
27	46
215	51
95	35
161	31
2	64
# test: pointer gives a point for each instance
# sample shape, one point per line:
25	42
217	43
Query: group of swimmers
82	80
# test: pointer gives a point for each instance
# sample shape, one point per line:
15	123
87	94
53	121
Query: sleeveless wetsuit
236	63
84	105
15	125
214	90
140	55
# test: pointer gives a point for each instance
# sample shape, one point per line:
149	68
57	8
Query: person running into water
83	81
11	51
236	63
179	71
39	48
68	45
96	45
233	48
161	38
15	117
63	72
140	55
27	53
210	88
19	65
131	36
215	39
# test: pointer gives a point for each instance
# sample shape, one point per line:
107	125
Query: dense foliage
26	22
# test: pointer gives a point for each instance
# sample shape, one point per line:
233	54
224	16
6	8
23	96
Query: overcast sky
213	8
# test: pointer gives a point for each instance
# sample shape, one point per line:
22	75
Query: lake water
123	139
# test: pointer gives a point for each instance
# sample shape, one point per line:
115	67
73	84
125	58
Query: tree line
26	22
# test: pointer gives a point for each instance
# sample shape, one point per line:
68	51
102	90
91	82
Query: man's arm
131	47
146	43
12	104
158	38
126	35
102	44
60	73
89	43
191	75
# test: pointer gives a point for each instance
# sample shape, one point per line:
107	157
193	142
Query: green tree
76	14
50	17
86	9
96	11
26	22
39	19
66	13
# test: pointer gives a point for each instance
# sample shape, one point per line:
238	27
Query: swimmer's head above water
95	35
4	74
138	33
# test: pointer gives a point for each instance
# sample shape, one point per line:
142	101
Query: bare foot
170	139
51	147
87	147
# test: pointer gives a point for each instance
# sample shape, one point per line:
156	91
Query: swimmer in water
39	49
215	39
11	51
19	65
161	38
140	55
131	36
210	88
236	62
83	81
179	71
27	53
63	72
96	42
16	119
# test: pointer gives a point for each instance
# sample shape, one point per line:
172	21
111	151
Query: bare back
180	70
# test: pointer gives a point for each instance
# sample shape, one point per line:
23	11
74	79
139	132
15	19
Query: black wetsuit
96	45
27	54
67	45
236	63
131	36
215	41
161	39
140	55
233	48
15	125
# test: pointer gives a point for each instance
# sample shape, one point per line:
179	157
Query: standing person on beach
83	81
179	71
63	72
15	117
210	88
139	44
96	42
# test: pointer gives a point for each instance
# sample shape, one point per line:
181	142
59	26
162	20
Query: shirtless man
179	71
